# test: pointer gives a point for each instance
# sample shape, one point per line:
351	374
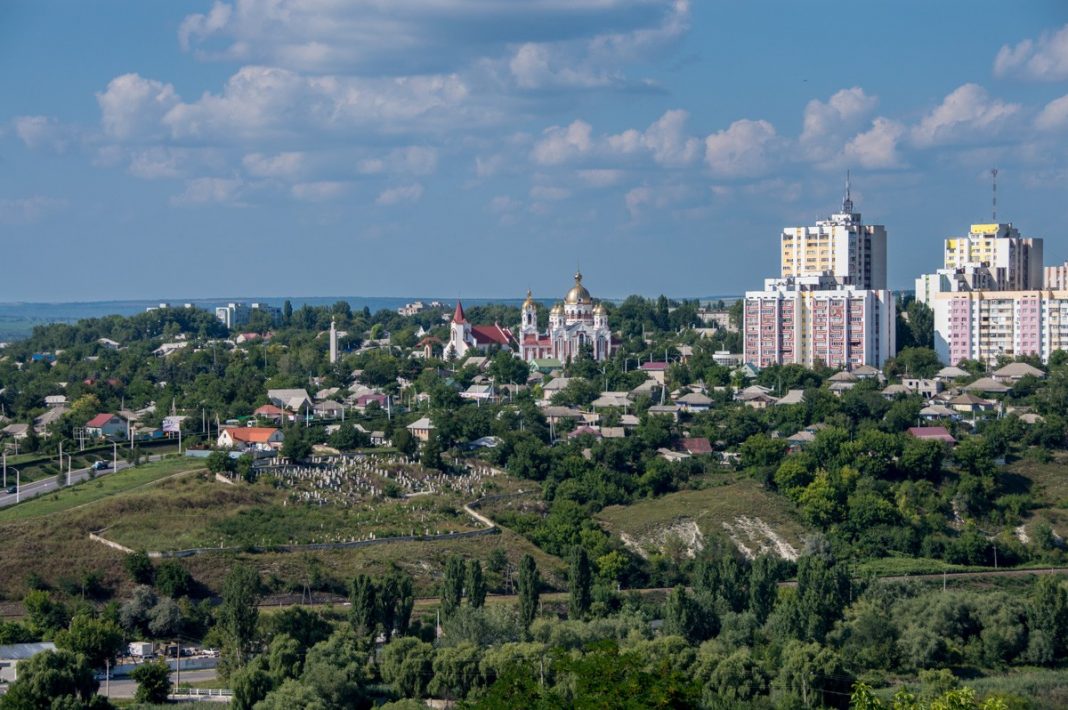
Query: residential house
16	431
55	400
968	403
270	412
951	373
654	369
328	409
607	400
106	426
555	415
922	386
987	385
421	428
365	400
1015	371
931	433
795	396
256	438
669	410
938	411
694	402
108	343
696	446
292	400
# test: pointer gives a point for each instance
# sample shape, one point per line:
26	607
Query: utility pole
114	456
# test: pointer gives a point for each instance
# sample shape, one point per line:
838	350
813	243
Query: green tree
250	684
810	676
337	670
455	671
452	587
139	567
46	616
238	613
475	584
220	462
53	679
580	583
407	665
173	580
294	694
528	590
99	641
364	611
1047	619
153	682
686	617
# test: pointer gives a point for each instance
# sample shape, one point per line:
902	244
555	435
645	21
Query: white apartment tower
830	304
841	246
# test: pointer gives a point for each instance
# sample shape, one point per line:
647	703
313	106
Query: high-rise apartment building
830	304
841	246
992	257
988	299
987	325
1056	277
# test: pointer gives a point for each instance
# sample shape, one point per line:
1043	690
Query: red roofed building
261	438
105	425
464	337
933	433
697	445
269	411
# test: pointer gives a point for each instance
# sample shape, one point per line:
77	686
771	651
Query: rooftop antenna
847	203
994	198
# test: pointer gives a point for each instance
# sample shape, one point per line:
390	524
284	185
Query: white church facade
574	326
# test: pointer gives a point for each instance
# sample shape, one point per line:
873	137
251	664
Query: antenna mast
847	203
994	198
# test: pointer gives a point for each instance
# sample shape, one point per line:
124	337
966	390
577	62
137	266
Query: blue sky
481	147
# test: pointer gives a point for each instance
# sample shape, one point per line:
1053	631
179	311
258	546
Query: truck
141	649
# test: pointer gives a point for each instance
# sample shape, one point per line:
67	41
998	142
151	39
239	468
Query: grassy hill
176	505
753	518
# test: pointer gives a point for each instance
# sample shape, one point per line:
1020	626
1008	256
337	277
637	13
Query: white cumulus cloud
745	149
877	147
827	125
209	190
1053	115
132	107
1044	59
561	143
968	111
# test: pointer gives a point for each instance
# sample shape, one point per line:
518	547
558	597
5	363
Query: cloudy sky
478	147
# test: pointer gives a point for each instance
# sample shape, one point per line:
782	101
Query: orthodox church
573	325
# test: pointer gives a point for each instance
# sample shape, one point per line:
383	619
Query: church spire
458	315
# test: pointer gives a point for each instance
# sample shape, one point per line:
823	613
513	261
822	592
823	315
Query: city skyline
157	151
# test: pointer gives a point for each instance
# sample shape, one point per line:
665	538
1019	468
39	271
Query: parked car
101	465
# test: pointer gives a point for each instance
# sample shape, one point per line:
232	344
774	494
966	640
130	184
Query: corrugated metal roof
22	651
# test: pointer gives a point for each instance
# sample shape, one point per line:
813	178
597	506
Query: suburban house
932	433
1015	371
293	400
696	445
55	400
421	428
329	409
694	402
364	400
270	412
259	438
105	425
655	370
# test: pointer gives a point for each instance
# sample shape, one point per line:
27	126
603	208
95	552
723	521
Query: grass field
102	487
1047	484
193	512
741	509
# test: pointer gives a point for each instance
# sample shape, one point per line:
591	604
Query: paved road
125	688
49	484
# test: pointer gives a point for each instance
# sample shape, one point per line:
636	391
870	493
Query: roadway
49	483
125	687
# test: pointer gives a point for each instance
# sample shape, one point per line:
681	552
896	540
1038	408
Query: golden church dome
530	300
578	293
600	310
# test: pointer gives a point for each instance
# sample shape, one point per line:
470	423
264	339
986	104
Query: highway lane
49	484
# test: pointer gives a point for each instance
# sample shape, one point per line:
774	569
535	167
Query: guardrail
182	692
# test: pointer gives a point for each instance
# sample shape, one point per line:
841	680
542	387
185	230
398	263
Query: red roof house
697	445
933	433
